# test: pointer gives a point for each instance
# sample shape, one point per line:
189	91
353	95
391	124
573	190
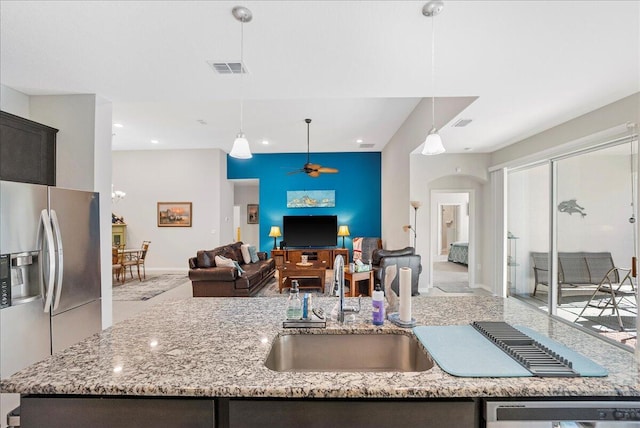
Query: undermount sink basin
347	353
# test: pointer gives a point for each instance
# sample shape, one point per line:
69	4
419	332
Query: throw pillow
225	262
246	256
222	261
240	270
254	254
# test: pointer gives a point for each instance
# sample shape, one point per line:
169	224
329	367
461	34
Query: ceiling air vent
462	123
367	146
227	67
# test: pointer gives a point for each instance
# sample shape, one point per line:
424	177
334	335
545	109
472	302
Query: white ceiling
357	68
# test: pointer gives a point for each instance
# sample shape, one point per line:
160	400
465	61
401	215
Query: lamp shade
433	144
343	231
240	149
275	232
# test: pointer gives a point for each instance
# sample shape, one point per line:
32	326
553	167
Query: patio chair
612	292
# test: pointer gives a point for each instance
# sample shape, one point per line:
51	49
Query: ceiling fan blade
297	171
327	170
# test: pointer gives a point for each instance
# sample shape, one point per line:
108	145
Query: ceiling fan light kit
433	143
241	149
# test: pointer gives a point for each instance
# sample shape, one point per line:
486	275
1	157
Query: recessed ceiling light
466	149
155	141
118	125
359	141
265	142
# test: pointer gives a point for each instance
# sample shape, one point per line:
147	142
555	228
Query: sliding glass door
571	238
528	198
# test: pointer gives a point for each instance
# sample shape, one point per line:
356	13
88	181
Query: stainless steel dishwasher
562	414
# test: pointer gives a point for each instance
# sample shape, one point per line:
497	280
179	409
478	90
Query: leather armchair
404	257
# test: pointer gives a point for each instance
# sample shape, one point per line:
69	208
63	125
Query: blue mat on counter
461	350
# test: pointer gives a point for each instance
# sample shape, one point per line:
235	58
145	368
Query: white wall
396	177
601	183
247	194
14	102
453	172
614	114
197	176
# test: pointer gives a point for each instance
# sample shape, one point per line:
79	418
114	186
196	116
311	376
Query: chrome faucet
338	275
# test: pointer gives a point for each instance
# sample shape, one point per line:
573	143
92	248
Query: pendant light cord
433	72
241	75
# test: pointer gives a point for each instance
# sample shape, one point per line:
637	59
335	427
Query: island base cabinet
312	413
110	412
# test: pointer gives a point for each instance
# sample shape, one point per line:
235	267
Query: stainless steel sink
347	353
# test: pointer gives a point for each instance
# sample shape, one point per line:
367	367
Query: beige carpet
451	277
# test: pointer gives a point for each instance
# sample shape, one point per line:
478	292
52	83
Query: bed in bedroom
459	253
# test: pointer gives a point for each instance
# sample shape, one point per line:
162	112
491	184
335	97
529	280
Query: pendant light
240	149
433	143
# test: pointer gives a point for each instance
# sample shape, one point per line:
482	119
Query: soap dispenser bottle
378	306
294	305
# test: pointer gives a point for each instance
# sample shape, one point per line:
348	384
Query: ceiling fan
312	169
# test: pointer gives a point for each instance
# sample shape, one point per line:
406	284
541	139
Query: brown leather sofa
209	280
404	257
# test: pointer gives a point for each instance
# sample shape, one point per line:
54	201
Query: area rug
455	287
151	287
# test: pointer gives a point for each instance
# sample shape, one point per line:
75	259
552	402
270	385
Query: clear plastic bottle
378	306
294	305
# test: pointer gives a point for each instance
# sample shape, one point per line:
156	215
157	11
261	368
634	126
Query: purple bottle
378	306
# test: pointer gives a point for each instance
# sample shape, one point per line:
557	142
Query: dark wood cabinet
325	255
27	150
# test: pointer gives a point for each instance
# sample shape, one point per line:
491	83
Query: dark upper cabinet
27	150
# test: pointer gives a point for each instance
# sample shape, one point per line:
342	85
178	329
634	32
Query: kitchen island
215	348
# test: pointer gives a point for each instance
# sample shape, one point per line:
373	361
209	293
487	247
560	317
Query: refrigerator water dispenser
25	281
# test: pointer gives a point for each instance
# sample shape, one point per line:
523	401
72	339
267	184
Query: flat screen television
310	230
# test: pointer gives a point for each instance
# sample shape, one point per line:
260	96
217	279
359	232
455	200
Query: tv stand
326	255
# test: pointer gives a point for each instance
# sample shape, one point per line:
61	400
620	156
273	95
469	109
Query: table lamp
275	233
343	231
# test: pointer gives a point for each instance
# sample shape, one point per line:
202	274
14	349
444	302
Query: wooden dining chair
117	268
142	256
137	259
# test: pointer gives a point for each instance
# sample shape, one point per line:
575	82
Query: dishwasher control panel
528	413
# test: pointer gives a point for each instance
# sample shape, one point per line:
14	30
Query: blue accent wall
358	188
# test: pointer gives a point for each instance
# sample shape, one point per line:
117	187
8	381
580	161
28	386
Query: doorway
450	249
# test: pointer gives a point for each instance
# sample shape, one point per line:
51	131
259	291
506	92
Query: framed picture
174	214
253	214
311	198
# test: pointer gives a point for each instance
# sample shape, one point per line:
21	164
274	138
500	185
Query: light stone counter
216	347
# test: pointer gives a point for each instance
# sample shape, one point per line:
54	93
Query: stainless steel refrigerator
49	273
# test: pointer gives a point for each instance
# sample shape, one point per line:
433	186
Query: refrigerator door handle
47	277
60	261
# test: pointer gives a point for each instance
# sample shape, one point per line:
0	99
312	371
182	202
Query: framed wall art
311	198
253	214
174	214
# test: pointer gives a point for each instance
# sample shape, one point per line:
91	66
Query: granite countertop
208	347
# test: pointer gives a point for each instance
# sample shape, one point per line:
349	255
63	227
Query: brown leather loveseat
209	280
